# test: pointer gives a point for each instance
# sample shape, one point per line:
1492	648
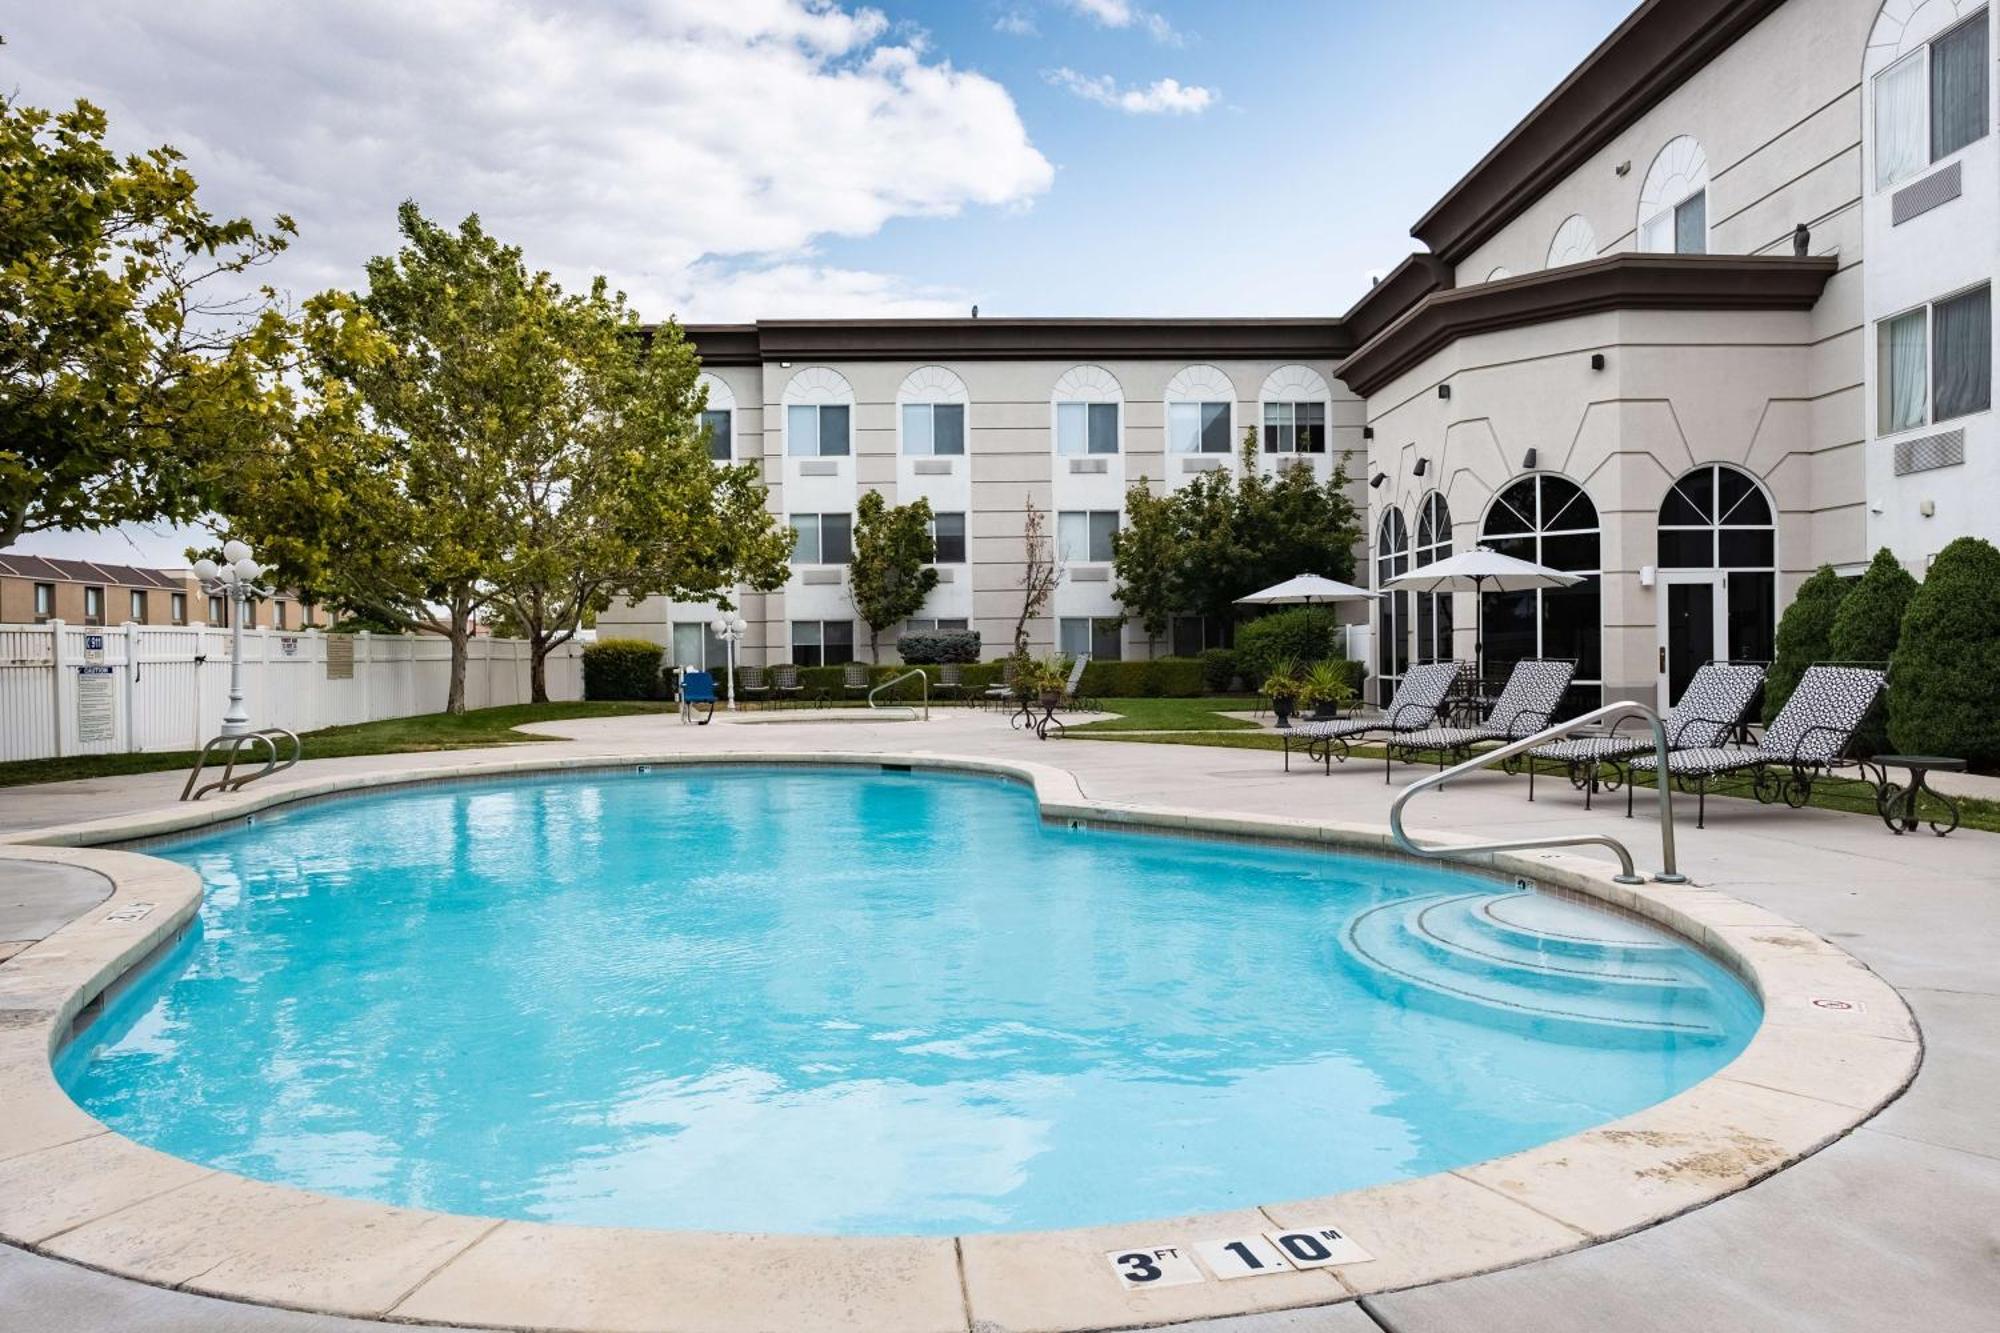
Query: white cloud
1160	97
1017	23
691	151
1125	14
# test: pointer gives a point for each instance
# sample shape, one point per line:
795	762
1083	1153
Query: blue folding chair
697	687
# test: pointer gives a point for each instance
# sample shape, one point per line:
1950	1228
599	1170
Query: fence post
363	655
59	656
131	634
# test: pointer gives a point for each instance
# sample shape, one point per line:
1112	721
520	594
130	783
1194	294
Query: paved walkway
1895	1227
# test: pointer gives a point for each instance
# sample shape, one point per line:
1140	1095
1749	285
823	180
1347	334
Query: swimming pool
863	1002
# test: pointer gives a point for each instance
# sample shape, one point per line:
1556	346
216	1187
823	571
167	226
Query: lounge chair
785	682
753	683
854	680
950	677
1809	735
697	688
1003	692
1533	693
1072	695
1710	710
1414	706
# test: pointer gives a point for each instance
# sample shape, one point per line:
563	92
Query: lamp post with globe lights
729	629
235	579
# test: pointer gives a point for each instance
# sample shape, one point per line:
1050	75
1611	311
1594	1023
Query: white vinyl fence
72	689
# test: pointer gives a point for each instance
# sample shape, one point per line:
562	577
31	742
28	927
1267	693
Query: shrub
1219	669
1805	636
945	645
1160	678
1305	635
1866	629
622	669
1942	697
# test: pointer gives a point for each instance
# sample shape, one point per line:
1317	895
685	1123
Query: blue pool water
844	1000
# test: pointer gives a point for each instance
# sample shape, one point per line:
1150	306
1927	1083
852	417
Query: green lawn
402	735
1170	715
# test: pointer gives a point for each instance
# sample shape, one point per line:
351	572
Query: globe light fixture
729	628
237	581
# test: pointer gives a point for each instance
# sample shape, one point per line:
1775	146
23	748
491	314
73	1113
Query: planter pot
1282	706
1326	712
1050	698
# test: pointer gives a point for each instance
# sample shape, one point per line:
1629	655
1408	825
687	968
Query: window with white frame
1197	428
1084	536
1932	102
916	625
1086	428
822	539
218	611
697	647
1673	203
1089	636
934	429
716	422
1935	363
817	430
93	606
137	607
1295	428
822	642
305	615
178	605
948	539
45	601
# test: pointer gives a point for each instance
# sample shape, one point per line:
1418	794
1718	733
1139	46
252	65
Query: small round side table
1898	804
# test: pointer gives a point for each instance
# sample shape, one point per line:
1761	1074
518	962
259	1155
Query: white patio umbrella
1308	590
1472	572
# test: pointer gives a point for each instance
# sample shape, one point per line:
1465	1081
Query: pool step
1558	969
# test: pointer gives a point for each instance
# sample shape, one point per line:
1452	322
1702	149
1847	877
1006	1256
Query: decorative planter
1050	698
1281	704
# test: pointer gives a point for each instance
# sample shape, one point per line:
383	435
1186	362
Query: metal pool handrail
898	680
1668	874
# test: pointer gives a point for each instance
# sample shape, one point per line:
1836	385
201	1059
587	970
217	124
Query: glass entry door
1694	618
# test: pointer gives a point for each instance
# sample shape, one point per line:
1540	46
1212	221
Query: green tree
1805	636
135	361
1866	629
891	573
1143	555
1942	697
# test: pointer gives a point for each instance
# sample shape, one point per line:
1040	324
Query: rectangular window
1188	636
716	424
178	605
918	626
1084	536
1082	636
1935	363
822	539
218	611
277	615
934	428
45	601
1295	428
138	607
1900	149
822	642
305	615
93	606
697	647
1198	428
817	432
1932	102
1691	225
1958	87
948	539
1086	428
1900	371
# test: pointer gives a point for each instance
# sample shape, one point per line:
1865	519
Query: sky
743	159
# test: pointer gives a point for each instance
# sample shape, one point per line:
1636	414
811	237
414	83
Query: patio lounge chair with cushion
1809	735
697	689
1072	695
1711	708
785	682
752	683
1413	707
1533	693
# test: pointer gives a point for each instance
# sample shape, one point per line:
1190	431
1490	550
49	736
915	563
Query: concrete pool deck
1890	1226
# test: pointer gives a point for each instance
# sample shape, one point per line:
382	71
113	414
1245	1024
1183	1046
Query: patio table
1898	804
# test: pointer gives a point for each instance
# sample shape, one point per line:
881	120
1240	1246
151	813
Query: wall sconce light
1648	576
1367	432
784	365
1623	168
1928	509
1597	360
1422	464
1528	461
1444	391
1375	482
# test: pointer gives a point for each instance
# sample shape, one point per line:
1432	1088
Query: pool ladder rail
898	680
268	737
1669	873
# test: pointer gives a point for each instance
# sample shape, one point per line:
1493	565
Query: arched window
1547	519
1392	641
1497	274
930	413
1673	203
1575	241
1089	403
819	411
1294	403
1433	608
1201	411
1718	560
719	417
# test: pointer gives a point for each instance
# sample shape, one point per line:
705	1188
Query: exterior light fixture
729	629
1444	391
1597	360
235	579
1528	461
1367	432
1422	465
1375	482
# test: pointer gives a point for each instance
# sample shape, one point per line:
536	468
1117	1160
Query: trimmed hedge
1309	634
1805	636
1219	669
1942	697
622	669
1866	629
945	645
829	683
1161	678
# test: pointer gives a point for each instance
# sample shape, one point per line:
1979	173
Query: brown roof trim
1615	282
1405	285
1017	340
54	569
1660	46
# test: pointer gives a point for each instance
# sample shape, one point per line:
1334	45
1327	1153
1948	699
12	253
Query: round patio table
1898	804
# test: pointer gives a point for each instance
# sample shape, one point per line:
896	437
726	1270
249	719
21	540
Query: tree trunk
461	635
538	669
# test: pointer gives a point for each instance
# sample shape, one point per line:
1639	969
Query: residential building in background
35	589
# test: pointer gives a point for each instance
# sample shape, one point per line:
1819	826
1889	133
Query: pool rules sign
1258	1254
96	698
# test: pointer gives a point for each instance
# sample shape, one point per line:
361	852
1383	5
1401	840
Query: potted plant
1047	678
1282	687
1325	690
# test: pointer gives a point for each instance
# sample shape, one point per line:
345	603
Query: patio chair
697	689
1072	695
1003	692
854	680
1809	736
1413	707
1710	710
785	683
950	682
753	683
1533	693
